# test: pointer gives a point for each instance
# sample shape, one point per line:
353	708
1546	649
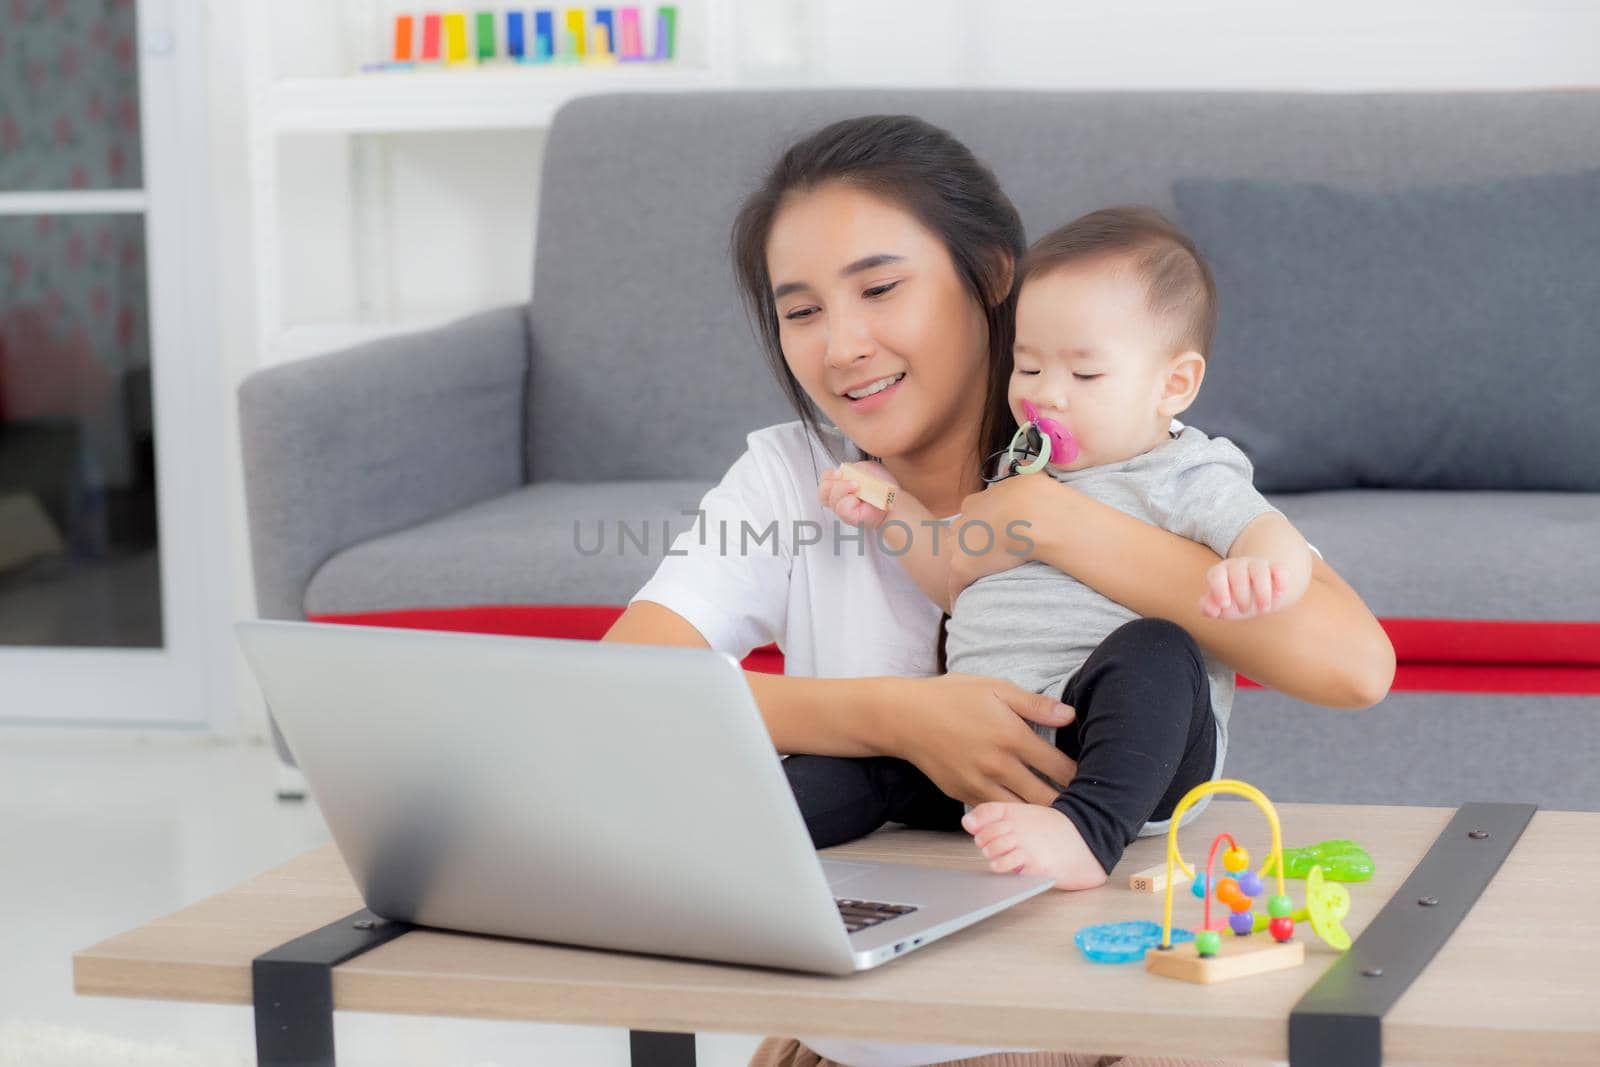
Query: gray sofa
1408	350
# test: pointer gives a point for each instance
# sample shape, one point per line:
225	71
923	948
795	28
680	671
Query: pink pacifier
1057	445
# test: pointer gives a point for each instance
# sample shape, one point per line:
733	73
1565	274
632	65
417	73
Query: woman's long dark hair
928	173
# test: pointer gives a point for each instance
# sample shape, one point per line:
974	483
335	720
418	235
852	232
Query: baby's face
1090	355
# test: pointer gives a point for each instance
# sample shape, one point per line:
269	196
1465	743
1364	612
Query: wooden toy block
872	489
544	36
1238	957
575	32
516	35
484	35
405	32
455	37
629	34
430	37
1154	879
666	32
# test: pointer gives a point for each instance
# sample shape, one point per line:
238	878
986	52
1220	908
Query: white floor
99	834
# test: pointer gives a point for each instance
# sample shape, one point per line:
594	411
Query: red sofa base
1435	655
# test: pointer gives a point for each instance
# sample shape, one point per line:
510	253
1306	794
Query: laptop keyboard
860	914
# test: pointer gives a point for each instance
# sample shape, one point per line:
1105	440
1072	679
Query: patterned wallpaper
73	299
69	95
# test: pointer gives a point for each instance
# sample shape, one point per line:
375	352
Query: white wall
456	210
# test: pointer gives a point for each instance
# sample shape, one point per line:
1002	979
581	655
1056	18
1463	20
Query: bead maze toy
1340	860
1209	958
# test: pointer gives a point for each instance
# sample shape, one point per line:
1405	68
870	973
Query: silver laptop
615	796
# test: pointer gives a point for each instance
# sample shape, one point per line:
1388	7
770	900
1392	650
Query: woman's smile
874	394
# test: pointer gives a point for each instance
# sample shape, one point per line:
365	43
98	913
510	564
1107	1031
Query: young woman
877	261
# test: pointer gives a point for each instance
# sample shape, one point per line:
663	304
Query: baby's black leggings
1144	736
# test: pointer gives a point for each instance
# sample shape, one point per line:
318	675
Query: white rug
25	1044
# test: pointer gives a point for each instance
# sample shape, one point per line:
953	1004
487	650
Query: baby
1114	320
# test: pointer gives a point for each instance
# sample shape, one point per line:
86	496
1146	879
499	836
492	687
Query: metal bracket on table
293	988
293	991
1339	1022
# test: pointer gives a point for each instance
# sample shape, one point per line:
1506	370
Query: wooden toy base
1239	957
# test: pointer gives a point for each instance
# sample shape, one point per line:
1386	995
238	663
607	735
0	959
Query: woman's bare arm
824	716
964	732
1327	649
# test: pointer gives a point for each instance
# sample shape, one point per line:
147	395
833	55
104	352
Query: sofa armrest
347	446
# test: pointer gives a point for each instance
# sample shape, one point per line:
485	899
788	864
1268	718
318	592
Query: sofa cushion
547	543
637	332
1462	556
1419	748
1434	337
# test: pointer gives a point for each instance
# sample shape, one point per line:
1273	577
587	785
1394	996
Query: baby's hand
840	495
1242	588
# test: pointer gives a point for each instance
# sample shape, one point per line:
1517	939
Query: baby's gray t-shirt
1035	626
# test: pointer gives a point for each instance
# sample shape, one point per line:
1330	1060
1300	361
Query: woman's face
874	322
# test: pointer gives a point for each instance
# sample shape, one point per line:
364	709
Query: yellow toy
1208	958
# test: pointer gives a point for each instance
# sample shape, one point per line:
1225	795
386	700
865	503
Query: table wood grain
1518	983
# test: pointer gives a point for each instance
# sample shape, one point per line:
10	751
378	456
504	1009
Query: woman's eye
879	290
1086	377
799	313
1028	372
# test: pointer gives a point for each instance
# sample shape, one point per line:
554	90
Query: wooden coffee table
1517	982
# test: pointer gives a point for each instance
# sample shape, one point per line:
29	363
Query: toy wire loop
1236	788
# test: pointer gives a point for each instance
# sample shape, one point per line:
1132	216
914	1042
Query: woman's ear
1181	383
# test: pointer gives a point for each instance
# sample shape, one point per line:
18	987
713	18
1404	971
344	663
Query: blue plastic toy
1123	942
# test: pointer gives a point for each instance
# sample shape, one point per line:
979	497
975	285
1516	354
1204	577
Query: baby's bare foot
1033	840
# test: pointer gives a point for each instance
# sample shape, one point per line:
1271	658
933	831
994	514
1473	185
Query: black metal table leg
1339	1022
651	1048
292	987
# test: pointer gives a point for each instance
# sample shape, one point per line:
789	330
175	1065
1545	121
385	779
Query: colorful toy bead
1250	884
1280	907
1206	943
1242	923
1198	888
1228	892
1235	860
1282	928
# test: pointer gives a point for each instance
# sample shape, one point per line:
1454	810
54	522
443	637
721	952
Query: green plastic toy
1326	906
1341	861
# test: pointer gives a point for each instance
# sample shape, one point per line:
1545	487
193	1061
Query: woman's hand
967	734
1004	513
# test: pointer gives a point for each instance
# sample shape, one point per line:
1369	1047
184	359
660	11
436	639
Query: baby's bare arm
907	529
1268	569
923	545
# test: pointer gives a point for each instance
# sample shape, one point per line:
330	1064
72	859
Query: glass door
99	619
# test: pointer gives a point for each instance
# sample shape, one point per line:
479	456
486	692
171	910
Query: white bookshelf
397	101
325	136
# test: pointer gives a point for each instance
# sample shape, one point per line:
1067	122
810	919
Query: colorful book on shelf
600	35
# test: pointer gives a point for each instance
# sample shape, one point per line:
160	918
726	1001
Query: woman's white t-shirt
765	562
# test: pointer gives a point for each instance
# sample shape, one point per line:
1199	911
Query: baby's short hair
1178	283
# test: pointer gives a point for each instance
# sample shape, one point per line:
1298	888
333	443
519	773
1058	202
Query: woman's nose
848	342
